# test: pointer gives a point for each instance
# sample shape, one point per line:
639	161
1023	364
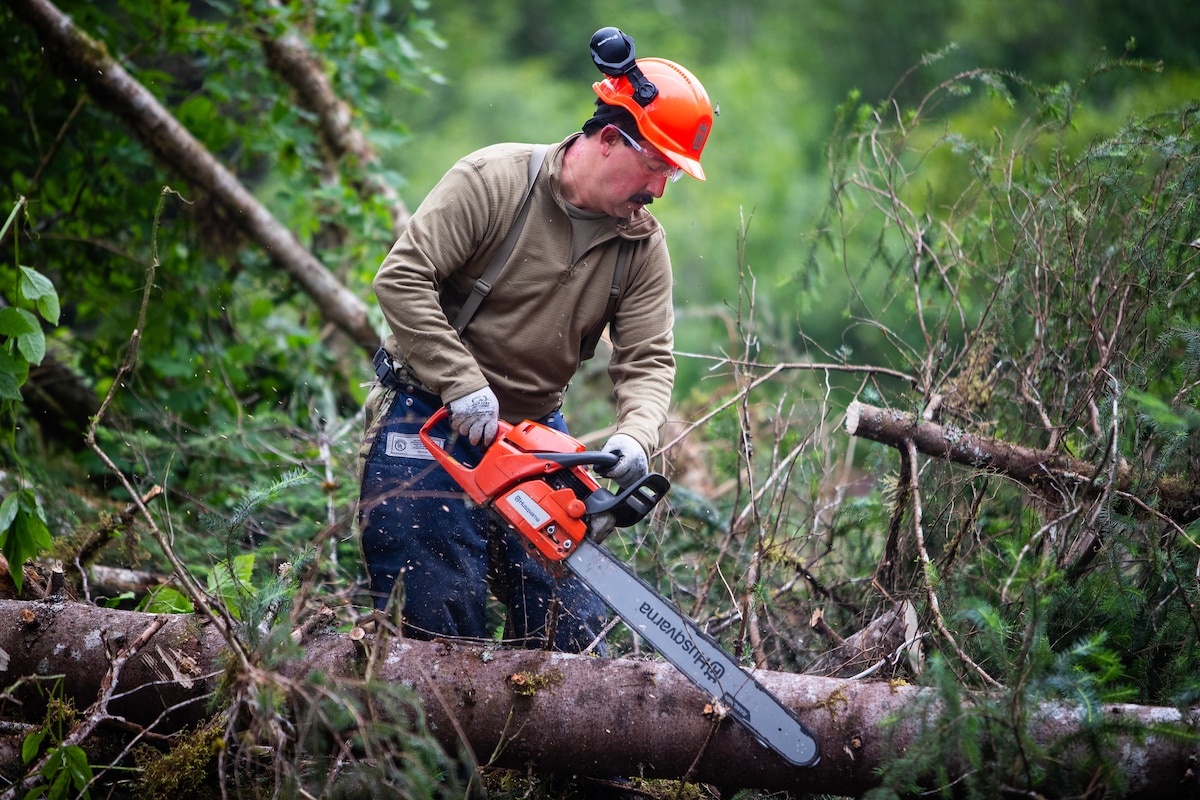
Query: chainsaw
536	480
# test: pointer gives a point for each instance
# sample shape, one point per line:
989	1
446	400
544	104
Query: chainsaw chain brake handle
633	503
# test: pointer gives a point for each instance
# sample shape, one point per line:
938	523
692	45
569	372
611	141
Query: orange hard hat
677	121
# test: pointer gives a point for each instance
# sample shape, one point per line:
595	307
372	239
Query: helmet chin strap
614	55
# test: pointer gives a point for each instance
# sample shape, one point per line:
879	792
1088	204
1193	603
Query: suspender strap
484	283
624	256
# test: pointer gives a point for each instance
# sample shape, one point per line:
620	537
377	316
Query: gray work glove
476	416
632	465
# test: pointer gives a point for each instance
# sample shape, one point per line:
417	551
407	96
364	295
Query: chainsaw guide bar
694	653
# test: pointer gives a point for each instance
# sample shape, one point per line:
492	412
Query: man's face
637	175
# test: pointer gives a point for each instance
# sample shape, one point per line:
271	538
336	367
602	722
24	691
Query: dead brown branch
1043	471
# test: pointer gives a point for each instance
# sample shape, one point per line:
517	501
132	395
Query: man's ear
609	139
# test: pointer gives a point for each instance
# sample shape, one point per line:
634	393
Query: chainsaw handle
464	475
581	459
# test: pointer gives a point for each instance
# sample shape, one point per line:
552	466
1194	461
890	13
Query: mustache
644	199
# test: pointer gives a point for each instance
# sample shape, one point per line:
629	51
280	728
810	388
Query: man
422	540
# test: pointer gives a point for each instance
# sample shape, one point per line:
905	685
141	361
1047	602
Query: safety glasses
657	165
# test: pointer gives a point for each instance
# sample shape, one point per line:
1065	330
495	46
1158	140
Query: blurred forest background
980	215
778	71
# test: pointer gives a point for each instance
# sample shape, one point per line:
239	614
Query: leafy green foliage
23	532
66	771
67	774
1026	260
216	310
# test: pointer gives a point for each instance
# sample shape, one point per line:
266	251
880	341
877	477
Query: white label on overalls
524	505
409	445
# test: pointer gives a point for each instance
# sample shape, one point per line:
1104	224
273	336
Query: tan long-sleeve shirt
525	339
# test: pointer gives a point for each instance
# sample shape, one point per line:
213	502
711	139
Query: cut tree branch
1038	469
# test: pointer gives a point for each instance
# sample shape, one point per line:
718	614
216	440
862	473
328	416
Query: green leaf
31	506
115	602
229	584
77	765
10	386
58	787
26	537
17	322
243	567
25	328
11	364
8	510
32	745
32	346
165	600
38	289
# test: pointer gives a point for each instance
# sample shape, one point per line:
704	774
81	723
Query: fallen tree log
552	712
1037	469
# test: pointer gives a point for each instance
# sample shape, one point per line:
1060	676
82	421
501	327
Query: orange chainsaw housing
511	478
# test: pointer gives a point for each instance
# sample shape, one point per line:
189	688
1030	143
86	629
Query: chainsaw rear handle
442	413
464	475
